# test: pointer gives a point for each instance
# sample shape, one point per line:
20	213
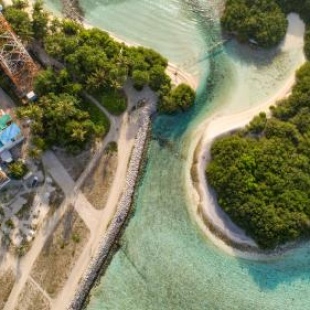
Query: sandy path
125	145
124	132
203	137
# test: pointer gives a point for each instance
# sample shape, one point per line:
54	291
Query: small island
261	174
75	117
259	22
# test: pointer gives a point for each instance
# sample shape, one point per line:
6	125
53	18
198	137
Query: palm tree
34	153
78	134
96	80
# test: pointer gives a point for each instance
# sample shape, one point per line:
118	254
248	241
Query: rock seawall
123	209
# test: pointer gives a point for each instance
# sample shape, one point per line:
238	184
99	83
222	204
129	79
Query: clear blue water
165	262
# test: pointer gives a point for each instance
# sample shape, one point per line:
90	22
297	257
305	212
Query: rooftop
9	134
4	120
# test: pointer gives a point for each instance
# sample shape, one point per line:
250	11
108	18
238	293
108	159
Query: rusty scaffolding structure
15	61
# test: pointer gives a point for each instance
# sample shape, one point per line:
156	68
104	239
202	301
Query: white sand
124	133
176	74
216	126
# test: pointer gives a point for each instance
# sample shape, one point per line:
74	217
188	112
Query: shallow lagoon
165	262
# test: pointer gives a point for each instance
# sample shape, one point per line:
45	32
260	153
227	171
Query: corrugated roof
4	119
9	134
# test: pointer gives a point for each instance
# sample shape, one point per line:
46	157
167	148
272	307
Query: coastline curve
211	219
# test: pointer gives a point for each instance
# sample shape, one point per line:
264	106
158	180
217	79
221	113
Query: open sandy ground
201	198
121	131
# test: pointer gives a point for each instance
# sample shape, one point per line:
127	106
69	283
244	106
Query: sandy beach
201	198
176	74
124	133
199	151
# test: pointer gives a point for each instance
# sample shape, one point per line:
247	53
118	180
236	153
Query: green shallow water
165	262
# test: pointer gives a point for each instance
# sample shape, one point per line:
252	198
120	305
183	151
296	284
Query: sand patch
62	249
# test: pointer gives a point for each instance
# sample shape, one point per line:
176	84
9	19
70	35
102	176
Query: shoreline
77	287
108	239
211	219
76	290
176	74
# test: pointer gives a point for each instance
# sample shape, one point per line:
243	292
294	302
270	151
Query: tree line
91	61
261	174
258	21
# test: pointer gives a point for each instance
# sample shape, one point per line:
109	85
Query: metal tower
15	60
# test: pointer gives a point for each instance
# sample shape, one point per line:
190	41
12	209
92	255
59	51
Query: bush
180	99
17	170
111	147
114	101
140	79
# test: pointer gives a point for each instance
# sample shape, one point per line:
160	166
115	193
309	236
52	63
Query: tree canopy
261	174
180	99
20	22
84	60
260	20
57	120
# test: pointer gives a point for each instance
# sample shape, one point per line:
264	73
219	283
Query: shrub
18	170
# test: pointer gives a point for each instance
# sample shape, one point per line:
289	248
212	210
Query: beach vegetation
58	120
17	170
258	124
261	174
140	79
100	64
179	99
114	100
20	22
88	60
39	21
259	21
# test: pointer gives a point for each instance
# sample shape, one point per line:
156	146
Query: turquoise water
165	262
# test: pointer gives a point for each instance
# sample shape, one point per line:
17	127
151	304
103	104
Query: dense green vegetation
57	120
260	20
96	115
302	7
20	22
262	174
17	170
102	66
113	100
93	60
89	60
180	99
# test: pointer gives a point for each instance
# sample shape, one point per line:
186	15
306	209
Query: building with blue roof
10	136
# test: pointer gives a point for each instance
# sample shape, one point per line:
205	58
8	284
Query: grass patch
111	147
31	298
96	115
61	251
97	185
114	101
6	283
25	209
